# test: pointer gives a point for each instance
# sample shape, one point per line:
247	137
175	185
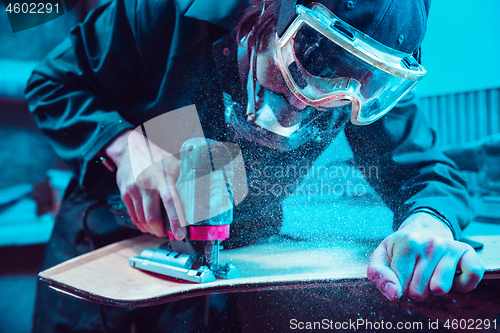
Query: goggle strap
284	13
418	55
251	84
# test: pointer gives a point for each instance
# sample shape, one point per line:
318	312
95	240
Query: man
130	62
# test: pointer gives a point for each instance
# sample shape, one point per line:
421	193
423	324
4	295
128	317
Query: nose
270	77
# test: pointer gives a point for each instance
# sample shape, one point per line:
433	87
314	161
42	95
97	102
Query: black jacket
131	61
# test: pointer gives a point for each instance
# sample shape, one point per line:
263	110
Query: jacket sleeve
412	172
83	92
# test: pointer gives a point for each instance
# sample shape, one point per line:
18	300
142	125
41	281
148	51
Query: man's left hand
421	258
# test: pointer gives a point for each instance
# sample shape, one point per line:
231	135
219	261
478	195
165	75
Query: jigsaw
205	187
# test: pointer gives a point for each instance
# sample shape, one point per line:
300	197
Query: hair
258	23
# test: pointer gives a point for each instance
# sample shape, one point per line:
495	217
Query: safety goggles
326	63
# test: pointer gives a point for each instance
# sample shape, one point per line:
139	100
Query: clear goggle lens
324	74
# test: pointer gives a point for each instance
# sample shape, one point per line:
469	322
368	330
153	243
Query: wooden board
104	275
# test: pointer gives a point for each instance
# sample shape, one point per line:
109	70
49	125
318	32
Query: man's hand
143	200
421	258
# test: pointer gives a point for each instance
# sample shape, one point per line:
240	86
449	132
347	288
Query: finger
404	258
127	200
419	286
472	271
152	212
175	211
381	274
444	273
171	199
139	212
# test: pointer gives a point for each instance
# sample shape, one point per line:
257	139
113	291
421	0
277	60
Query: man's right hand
143	200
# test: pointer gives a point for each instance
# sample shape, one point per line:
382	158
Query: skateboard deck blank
104	275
